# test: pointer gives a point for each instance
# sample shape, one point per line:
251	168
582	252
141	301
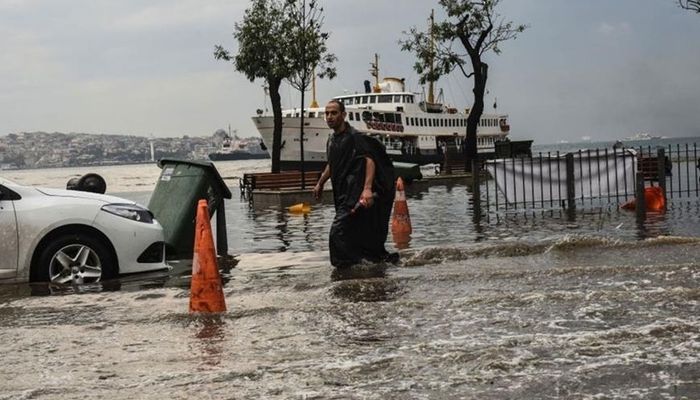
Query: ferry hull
316	134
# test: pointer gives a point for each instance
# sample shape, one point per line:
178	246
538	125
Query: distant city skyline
598	68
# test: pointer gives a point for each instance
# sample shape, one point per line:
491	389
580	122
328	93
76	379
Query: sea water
526	306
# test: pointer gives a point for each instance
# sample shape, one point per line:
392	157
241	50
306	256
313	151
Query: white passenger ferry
412	130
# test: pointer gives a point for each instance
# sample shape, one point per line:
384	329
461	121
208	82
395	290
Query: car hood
76	194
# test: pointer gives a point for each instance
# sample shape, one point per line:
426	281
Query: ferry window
348	101
397	98
384	98
357	116
366	116
389	118
408	99
373	99
364	99
398	118
312	115
421	120
351	117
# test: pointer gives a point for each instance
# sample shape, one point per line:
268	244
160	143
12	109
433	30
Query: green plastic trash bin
174	201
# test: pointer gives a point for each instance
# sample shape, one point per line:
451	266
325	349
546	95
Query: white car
74	237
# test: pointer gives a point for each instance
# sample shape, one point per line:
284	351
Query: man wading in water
362	176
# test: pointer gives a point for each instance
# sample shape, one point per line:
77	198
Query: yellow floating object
301	208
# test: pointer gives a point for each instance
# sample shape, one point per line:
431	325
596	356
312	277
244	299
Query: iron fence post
570	183
570	188
640	205
661	169
476	189
221	236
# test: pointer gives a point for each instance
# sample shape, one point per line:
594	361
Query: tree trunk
274	84
480	76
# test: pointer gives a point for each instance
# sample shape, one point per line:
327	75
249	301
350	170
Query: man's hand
317	191
367	198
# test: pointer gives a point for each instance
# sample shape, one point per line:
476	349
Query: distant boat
642	136
585	138
235	149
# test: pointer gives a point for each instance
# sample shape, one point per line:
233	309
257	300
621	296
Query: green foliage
278	40
472	28
307	43
260	53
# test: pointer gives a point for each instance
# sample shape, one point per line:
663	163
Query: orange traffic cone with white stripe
206	291
401	221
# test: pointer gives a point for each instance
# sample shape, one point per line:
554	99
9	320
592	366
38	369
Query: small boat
239	149
642	136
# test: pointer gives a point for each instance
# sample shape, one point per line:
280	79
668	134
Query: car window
7	194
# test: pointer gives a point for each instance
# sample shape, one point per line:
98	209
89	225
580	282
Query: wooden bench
276	181
649	166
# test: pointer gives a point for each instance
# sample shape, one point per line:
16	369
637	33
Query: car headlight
131	211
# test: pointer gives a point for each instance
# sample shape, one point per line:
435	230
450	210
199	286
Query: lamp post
303	89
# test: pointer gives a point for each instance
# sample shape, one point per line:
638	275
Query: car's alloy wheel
75	259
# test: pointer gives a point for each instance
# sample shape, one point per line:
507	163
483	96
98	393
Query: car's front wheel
75	259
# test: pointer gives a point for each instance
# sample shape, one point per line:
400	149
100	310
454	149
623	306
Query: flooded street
526	307
549	322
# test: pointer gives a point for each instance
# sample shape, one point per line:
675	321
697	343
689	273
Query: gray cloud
596	68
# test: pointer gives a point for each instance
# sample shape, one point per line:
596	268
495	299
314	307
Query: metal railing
594	178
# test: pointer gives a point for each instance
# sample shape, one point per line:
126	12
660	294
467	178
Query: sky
606	69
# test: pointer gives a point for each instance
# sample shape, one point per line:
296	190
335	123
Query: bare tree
471	26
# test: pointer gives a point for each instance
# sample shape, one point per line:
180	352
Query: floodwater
520	307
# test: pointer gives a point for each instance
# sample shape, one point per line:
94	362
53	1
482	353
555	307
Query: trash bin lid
208	167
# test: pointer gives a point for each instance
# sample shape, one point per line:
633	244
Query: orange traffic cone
401	221
206	292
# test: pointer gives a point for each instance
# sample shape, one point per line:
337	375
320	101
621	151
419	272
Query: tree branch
692	5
